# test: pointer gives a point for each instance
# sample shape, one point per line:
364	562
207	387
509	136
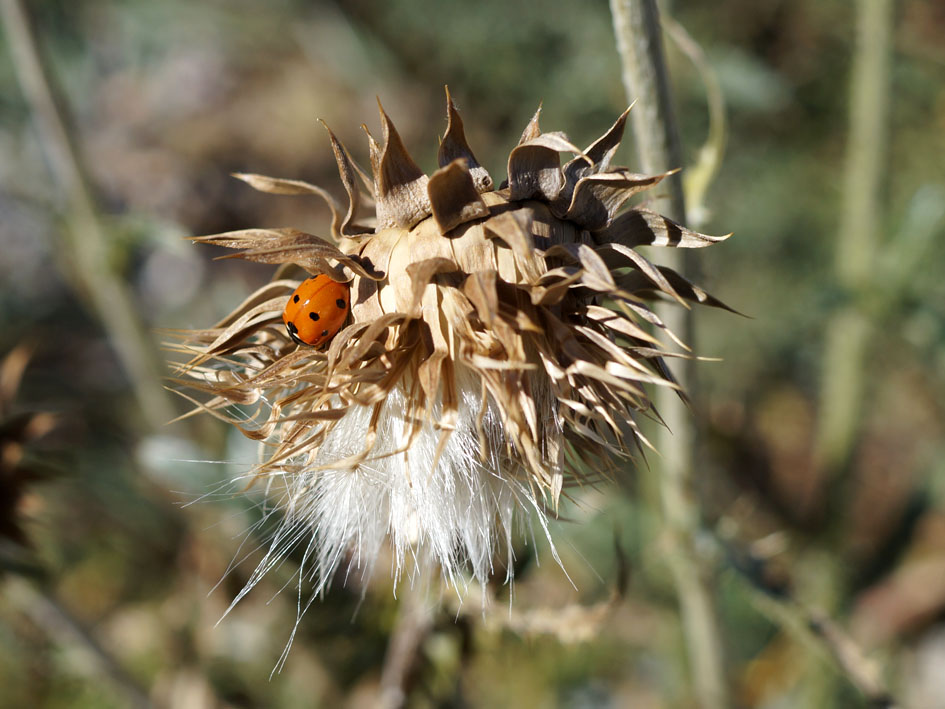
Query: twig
825	639
699	175
84	240
827	642
637	27
414	622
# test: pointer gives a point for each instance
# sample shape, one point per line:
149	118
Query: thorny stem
843	374
84	239
639	41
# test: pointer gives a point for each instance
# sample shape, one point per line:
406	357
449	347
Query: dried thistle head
499	348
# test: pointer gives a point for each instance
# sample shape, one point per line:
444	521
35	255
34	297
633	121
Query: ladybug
316	310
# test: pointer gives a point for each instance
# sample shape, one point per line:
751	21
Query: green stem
84	239
828	644
844	367
847	333
639	41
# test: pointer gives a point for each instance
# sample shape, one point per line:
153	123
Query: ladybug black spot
292	328
314	316
295	298
324	333
340	303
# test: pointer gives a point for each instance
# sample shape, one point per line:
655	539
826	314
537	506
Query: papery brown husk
536	289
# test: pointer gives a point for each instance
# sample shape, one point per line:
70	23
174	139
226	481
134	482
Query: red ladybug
316	311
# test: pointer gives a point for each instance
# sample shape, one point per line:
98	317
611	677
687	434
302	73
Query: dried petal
399	184
636	281
454	147
535	169
454	199
597	197
598	157
641	227
289	246
532	130
347	170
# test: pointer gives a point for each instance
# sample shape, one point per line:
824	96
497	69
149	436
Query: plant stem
848	330
404	648
83	238
828	643
842	382
639	41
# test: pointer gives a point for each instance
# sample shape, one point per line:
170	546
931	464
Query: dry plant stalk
500	345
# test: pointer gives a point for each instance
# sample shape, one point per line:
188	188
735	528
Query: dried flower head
499	348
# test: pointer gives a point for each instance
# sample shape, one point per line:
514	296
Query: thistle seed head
499	348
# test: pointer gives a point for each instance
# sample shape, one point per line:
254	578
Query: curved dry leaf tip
602	150
535	167
331	134
532	130
397	166
278	185
373	145
453	145
400	184
339	147
347	170
281	186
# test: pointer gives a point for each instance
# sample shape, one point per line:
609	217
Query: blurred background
821	467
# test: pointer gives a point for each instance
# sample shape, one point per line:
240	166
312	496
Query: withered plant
499	349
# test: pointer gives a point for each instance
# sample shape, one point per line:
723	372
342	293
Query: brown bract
535	289
18	470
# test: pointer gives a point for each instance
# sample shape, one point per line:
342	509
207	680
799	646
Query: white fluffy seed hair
456	513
